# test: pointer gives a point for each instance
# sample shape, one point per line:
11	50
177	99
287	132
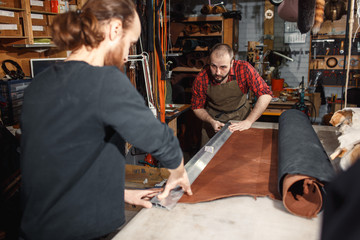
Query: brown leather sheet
246	164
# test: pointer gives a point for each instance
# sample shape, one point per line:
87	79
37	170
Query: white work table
241	217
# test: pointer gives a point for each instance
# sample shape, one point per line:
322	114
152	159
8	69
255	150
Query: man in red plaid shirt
220	90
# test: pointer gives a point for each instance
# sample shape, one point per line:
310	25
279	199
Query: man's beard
115	58
222	77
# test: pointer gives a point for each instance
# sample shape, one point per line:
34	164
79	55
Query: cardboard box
10	29
9	17
39	19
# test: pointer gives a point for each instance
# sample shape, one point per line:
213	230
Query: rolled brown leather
302	195
206	9
218	9
191	61
215	28
200	63
191	29
205	28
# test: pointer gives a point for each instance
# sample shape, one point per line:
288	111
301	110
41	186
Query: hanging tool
144	59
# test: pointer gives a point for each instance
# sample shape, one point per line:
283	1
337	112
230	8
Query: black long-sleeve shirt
75	121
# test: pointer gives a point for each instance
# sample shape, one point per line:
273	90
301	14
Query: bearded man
219	93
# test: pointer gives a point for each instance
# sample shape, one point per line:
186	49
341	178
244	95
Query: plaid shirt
246	76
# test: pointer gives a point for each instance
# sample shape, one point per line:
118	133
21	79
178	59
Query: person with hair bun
76	117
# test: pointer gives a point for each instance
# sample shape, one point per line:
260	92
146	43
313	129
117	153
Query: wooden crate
40	30
9	17
38	5
11	3
10	29
39	19
50	19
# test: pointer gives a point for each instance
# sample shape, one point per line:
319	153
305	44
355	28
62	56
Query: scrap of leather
246	164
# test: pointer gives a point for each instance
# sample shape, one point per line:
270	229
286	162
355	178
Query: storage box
38	5
39	19
11	3
10	29
50	19
9	17
12	91
40	30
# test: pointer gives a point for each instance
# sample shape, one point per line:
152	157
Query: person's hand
141	197
217	125
240	126
178	177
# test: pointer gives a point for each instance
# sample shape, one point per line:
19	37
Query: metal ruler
195	166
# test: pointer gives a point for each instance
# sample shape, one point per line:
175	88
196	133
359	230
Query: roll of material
303	165
200	63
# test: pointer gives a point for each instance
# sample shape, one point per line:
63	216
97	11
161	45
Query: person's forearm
260	106
203	115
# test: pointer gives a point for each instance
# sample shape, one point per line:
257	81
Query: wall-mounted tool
342	47
144	59
324	49
331	62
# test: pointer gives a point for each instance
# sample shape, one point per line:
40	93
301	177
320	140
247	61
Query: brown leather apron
224	102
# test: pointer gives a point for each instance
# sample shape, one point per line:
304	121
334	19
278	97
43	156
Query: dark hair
71	30
222	47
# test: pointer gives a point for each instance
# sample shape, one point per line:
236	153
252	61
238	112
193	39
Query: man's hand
141	197
178	177
240	126
217	125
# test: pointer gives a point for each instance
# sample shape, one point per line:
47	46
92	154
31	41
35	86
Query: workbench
173	111
240	217
276	108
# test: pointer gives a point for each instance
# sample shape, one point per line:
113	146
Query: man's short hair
222	47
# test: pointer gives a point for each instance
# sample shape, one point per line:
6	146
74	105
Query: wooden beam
228	31
268	25
26	15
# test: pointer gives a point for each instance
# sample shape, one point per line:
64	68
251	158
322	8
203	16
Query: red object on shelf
54	6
